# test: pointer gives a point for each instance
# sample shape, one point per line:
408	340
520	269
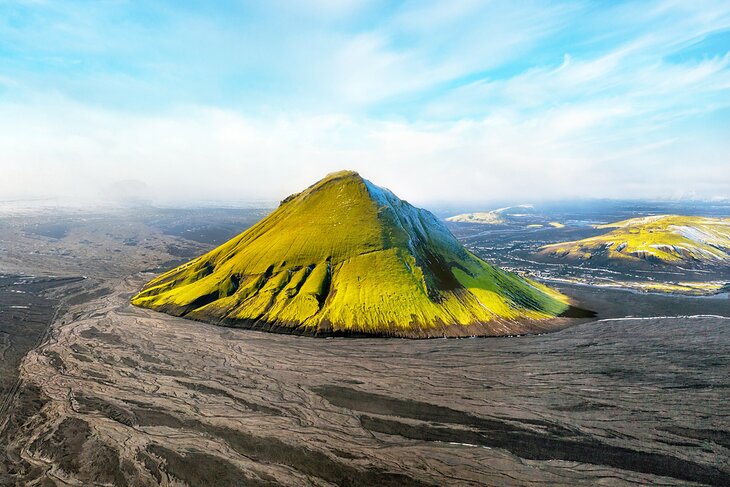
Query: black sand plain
97	392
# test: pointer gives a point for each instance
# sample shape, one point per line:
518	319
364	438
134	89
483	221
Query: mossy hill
659	239
346	257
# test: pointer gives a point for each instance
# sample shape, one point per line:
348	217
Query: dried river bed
125	396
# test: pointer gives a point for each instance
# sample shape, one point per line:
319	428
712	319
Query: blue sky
462	101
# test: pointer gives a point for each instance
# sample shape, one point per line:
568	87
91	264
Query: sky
459	101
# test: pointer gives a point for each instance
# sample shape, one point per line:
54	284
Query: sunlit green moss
668	238
347	255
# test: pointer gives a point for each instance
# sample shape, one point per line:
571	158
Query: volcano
346	257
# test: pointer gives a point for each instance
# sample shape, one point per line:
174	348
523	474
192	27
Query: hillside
668	239
347	257
494	217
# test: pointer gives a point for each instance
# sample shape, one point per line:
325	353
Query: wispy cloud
461	100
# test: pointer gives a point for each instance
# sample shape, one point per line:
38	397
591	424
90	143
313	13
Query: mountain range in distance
665	239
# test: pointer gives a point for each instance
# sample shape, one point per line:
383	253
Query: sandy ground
118	395
133	397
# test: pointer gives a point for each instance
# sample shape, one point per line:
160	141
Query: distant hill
347	257
494	217
669	239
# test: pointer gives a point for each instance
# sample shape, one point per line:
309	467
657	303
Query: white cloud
200	153
439	101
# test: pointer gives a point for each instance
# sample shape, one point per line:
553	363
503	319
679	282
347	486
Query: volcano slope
346	257
660	239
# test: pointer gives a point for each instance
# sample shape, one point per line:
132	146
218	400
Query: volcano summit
346	257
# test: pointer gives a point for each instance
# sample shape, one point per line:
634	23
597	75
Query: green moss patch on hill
347	257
